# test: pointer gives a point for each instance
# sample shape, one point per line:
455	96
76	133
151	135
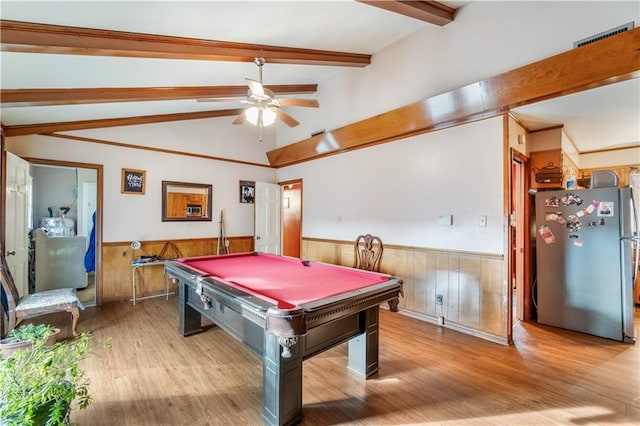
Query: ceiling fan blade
255	87
286	118
311	103
239	119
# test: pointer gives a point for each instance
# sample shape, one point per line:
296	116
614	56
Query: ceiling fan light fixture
252	114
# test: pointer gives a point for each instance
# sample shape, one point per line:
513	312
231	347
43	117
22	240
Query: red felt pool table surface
285	281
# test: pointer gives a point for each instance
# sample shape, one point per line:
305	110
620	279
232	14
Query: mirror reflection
183	201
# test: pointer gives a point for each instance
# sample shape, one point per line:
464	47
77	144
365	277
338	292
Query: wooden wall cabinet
178	203
622	172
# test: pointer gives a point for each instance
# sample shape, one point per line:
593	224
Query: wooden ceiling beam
29	37
432	12
37	129
10	98
597	64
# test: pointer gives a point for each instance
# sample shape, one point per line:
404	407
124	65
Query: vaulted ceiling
80	65
99	68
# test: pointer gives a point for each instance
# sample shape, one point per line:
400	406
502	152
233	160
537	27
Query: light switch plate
482	221
445	220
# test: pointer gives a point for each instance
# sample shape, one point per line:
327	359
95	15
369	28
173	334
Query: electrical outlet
439	299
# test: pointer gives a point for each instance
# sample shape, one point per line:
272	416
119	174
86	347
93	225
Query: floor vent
605	34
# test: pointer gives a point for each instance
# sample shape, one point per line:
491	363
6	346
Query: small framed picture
247	191
133	181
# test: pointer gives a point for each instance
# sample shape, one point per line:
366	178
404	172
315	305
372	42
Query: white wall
138	217
569	148
53	187
215	137
398	190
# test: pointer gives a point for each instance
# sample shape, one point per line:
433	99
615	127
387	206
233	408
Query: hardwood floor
429	375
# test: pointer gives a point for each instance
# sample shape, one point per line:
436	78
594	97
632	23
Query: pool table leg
189	320
282	383
363	349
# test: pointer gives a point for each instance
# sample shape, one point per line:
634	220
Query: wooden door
291	218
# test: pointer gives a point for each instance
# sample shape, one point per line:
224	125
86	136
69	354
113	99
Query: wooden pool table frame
285	338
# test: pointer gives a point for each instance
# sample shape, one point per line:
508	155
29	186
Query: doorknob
11	253
257	237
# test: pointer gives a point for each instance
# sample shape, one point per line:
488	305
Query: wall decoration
247	191
185	201
133	181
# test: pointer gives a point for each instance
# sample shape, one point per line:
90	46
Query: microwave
194	210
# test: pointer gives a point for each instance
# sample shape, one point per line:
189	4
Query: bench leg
75	316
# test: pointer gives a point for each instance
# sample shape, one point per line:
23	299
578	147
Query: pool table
285	310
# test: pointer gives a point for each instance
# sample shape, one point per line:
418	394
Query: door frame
3	203
523	161
99	168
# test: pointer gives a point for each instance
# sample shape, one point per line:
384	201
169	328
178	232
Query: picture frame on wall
133	181
247	191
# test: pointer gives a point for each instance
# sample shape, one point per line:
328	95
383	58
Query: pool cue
222	239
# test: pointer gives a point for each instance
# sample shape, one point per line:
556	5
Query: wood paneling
622	172
116	272
57	39
605	62
117	258
493	305
469	293
473	286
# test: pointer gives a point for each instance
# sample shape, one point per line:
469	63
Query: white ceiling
599	118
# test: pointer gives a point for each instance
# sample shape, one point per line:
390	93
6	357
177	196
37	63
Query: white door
18	191
267	218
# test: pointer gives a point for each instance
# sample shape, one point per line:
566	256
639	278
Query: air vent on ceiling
605	34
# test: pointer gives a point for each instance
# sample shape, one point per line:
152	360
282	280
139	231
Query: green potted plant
25	336
38	386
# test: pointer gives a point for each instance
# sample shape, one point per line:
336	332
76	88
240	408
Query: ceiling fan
264	107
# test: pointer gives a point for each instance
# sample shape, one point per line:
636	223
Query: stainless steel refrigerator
586	262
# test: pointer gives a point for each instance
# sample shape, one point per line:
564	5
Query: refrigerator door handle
635	247
634	271
635	238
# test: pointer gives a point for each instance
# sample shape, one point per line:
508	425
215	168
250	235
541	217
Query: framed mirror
182	201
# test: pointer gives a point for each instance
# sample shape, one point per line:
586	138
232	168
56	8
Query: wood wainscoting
473	286
117	258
